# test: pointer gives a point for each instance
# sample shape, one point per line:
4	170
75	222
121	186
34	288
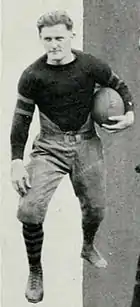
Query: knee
25	215
29	213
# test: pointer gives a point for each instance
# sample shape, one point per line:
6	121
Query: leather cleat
34	291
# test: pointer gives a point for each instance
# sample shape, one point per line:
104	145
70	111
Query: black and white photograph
70	153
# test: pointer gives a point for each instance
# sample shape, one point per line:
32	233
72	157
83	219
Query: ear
73	35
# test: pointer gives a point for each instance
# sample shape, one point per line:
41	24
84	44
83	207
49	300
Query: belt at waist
70	136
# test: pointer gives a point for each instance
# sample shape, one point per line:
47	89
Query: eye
59	38
47	39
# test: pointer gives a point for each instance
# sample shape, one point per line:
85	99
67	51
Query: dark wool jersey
64	93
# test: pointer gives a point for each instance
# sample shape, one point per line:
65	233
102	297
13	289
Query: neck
66	60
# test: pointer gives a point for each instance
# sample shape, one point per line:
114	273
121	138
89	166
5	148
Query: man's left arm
126	120
104	75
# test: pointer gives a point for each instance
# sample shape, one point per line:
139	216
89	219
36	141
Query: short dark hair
53	18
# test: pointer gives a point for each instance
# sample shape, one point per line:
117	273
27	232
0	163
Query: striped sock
33	237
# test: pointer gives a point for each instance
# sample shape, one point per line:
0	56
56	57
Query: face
57	42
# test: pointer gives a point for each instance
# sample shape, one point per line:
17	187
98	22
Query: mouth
55	51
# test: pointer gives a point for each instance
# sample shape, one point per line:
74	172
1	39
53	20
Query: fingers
17	188
116	118
115	128
109	131
119	125
27	182
21	186
20	177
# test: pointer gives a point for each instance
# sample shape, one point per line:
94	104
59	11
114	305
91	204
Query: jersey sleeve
105	76
23	114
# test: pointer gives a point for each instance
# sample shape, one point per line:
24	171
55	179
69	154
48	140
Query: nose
54	43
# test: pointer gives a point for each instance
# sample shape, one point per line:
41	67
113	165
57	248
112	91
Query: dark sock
90	228
90	223
89	231
33	237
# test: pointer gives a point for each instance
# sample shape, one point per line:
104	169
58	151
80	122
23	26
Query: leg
33	238
44	178
88	178
136	291
89	251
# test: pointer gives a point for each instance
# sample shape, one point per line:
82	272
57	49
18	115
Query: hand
20	177
137	168
123	122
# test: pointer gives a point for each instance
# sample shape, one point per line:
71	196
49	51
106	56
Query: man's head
56	33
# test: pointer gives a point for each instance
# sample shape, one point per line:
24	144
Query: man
61	83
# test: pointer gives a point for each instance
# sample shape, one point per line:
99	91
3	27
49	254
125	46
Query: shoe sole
33	300
85	256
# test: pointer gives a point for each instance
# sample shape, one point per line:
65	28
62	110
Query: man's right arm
22	119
